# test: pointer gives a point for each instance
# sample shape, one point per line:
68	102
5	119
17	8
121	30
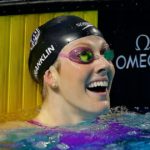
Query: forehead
92	41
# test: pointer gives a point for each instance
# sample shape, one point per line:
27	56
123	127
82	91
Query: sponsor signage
129	35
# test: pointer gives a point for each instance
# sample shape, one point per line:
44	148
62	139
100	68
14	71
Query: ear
50	77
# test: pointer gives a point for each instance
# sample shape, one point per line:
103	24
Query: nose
103	66
102	71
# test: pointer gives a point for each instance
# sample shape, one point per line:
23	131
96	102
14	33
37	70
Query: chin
104	110
99	108
103	105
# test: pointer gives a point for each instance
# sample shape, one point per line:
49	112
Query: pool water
115	131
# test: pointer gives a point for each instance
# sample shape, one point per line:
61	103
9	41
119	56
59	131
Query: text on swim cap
85	25
34	38
43	57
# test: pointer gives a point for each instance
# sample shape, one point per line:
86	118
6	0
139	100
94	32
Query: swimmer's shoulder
15	125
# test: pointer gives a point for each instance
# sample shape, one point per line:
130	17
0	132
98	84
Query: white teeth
98	83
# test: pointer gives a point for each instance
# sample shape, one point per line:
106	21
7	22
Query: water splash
119	129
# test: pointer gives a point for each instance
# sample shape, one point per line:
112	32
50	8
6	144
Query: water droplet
63	146
41	144
132	133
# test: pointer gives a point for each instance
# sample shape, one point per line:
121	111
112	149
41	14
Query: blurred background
125	25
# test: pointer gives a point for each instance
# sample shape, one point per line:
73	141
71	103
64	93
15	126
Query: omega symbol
147	45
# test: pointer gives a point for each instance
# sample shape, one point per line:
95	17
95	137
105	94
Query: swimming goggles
83	55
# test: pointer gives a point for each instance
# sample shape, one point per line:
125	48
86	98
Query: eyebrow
106	45
87	44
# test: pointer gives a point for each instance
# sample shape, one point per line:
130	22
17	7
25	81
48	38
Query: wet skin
74	78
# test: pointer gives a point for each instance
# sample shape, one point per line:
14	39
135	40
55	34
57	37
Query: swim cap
49	39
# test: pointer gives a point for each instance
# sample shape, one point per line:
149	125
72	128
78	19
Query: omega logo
141	60
147	39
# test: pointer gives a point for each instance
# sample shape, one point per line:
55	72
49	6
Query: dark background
121	27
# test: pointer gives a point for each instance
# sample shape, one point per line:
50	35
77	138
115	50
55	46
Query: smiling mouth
98	86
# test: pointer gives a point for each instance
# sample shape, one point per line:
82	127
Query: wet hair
50	38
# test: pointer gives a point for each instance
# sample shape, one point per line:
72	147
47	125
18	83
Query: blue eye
108	54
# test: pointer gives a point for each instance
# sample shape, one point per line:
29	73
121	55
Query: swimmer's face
85	84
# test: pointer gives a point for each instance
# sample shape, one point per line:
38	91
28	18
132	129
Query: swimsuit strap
37	123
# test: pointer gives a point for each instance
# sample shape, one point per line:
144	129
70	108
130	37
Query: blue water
113	131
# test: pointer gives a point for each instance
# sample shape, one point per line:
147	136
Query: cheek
73	74
72	70
111	74
113	70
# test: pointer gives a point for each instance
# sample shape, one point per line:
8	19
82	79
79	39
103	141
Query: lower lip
103	95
